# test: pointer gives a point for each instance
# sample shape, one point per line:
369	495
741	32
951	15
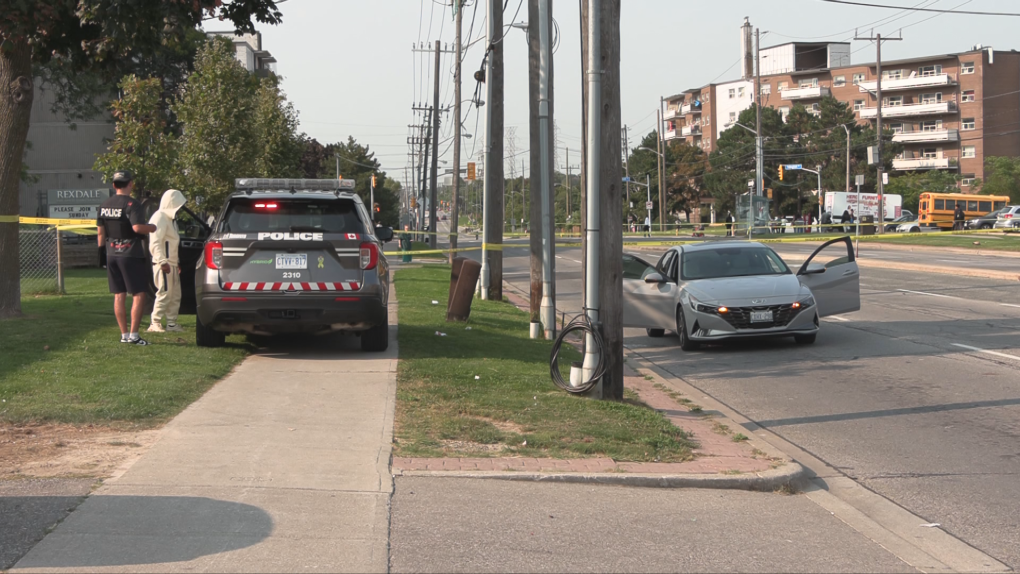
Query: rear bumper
269	314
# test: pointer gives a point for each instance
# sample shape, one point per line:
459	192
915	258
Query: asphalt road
916	396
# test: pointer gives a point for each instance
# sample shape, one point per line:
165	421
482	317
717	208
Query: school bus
936	209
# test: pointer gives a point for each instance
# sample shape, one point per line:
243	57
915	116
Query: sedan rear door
834	279
649	305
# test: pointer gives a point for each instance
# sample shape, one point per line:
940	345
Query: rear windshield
731	262
248	215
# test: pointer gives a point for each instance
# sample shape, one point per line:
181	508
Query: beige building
949	111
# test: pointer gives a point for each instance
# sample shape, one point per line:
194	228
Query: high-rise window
967	68
858	78
858	105
967	124
967	96
969	151
838	81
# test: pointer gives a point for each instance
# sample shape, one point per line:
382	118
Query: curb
786	476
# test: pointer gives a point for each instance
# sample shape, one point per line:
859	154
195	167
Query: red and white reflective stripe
341	286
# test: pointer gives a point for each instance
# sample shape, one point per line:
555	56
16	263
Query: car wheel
376	339
805	339
655	332
207	337
986	226
686	344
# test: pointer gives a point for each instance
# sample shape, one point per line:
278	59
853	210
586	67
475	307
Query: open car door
649	303
833	277
193	232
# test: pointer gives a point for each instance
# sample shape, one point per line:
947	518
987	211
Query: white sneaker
174	328
156	328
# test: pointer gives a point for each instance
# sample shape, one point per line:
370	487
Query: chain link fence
38	248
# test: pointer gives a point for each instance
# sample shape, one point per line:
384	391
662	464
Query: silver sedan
721	290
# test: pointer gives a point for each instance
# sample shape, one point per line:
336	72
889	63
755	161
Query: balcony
934	108
927	136
907	164
691	108
671	113
669	135
910	83
812	93
690	130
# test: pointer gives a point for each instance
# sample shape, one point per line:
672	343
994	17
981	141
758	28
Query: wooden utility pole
610	237
454	202
434	195
877	38
492	258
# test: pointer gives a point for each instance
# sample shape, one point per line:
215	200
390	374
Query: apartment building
949	111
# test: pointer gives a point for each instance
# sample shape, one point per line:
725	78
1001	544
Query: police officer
122	227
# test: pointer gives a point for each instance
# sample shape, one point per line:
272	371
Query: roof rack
249	184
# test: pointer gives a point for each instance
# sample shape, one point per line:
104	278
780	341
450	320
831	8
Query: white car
1008	219
721	290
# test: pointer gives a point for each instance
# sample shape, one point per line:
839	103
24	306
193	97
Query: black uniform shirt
118	215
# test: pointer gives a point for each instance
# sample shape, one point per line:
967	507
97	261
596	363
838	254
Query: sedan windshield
731	262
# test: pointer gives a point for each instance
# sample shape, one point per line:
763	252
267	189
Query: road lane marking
1009	305
924	293
987	352
568	259
838	318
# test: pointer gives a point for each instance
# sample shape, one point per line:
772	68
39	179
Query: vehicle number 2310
291	275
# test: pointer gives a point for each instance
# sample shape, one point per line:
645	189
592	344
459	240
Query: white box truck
836	202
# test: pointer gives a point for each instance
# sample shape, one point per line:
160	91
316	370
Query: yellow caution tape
9	218
50	221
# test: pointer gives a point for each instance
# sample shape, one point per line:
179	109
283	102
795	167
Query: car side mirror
384	233
814	269
654	278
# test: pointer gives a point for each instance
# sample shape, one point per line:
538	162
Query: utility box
867	224
463	278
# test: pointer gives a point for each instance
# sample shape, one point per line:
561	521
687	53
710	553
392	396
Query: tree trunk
16	94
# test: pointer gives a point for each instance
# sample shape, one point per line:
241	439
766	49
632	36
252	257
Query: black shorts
127	274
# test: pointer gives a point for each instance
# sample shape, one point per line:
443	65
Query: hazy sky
349	69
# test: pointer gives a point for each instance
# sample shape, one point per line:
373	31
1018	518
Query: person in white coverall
166	271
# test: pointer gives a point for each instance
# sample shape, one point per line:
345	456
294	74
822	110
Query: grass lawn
513	408
992	241
87	376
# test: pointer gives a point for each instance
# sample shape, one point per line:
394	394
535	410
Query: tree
358	162
684	166
644	162
1002	177
86	36
217	111
280	147
141	142
313	158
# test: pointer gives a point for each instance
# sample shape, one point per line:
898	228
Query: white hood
171	202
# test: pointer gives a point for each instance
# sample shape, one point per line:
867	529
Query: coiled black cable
580	323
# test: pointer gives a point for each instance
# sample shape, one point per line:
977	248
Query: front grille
740	317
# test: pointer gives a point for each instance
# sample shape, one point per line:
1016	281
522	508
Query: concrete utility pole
626	162
492	258
548	308
759	171
847	128
421	201
434	195
662	167
454	202
877	38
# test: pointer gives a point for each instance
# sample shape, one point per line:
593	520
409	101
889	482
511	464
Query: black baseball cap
123	176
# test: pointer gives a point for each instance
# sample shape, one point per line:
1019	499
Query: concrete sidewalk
282	467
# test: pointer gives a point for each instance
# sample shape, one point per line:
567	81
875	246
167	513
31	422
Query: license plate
761	316
292	261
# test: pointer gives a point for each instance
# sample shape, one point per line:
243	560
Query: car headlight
705	308
804	303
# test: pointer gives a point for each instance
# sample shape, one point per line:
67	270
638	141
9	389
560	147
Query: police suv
294	256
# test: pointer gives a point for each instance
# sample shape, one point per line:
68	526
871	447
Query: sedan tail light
213	254
369	255
1008	216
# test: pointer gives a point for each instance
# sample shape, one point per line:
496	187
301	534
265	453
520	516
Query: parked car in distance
986	221
1008	219
892	225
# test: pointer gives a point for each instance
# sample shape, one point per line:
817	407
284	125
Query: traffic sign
626	179
648	205
859	179
793	166
471	171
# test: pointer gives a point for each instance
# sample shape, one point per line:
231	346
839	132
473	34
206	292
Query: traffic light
373	182
769	190
781	169
377	208
414	202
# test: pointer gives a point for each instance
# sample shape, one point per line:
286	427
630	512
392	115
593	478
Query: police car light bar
261	183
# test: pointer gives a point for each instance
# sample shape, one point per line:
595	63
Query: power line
948	11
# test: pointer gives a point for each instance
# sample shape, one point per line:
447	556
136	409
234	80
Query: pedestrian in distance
958	217
121	228
729	223
846	218
648	226
166	269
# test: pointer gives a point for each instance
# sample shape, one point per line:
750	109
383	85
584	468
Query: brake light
213	254
369	255
1008	216
265	206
